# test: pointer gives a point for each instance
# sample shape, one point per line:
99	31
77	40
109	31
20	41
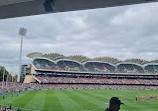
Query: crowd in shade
130	68
102	67
87	67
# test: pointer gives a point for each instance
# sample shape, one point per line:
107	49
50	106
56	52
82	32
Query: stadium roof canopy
150	64
154	61
102	62
39	58
78	58
138	61
53	56
19	8
83	59
127	63
34	55
67	60
107	60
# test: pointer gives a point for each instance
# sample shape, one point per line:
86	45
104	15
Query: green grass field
79	100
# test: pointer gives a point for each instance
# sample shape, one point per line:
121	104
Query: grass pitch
79	100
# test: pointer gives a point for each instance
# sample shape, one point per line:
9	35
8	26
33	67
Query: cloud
121	32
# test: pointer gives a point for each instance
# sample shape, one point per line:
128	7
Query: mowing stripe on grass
52	102
9	99
97	95
90	97
37	99
68	103
24	100
93	102
96	108
80	100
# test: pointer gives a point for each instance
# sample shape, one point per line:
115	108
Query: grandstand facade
77	69
78	63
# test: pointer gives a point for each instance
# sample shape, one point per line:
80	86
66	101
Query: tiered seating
44	64
35	86
152	69
95	80
92	66
67	65
138	68
99	67
129	68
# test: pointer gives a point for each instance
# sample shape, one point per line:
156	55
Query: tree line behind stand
6	74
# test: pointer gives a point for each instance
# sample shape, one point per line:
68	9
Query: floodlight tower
22	33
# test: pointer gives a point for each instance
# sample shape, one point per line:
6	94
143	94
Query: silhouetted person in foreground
19	109
10	107
114	104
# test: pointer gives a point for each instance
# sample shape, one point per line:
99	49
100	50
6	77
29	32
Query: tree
1	73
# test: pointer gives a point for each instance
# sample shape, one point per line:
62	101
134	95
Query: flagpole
6	81
12	79
3	79
11	76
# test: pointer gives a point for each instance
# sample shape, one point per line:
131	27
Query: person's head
115	103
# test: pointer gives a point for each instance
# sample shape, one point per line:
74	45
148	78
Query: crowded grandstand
56	71
77	71
57	62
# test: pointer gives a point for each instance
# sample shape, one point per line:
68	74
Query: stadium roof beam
19	8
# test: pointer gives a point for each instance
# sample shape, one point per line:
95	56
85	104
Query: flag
11	73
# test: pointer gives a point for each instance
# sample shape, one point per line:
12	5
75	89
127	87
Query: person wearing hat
114	104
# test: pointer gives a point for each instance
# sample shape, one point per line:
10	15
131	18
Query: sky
121	32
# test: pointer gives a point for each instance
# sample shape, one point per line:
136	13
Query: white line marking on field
98	107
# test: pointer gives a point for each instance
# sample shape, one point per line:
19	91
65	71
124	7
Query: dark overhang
19	8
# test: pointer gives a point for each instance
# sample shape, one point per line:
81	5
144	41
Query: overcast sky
121	32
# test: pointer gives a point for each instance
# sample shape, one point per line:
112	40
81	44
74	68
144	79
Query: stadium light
22	32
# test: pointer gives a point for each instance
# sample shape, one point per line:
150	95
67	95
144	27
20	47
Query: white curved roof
34	54
67	60
150	64
44	59
128	63
107	59
78	58
99	62
136	60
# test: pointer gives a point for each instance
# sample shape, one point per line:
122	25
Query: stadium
79	80
60	82
54	68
